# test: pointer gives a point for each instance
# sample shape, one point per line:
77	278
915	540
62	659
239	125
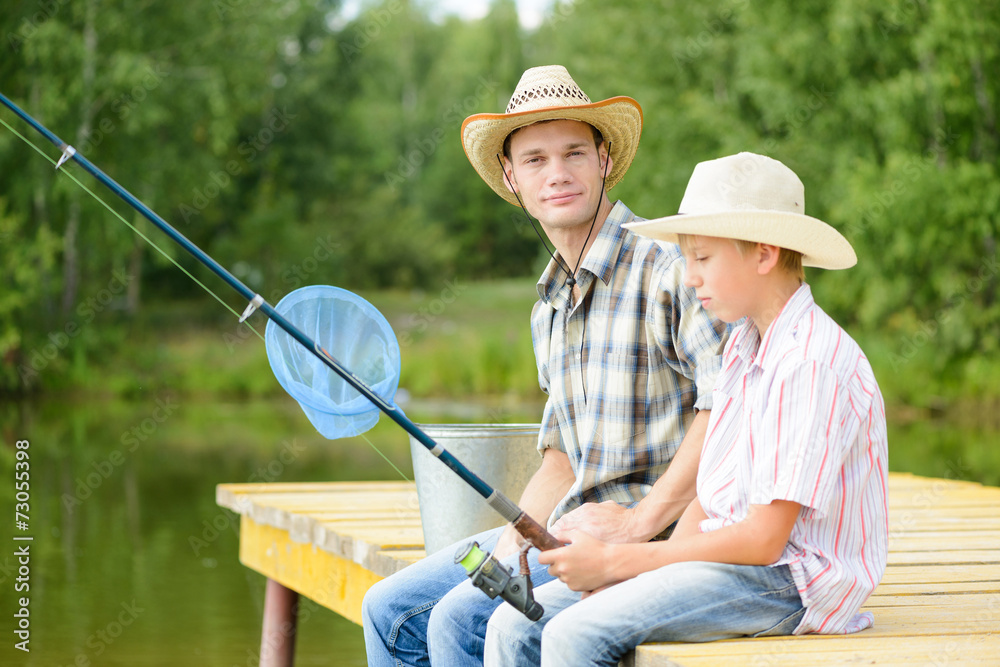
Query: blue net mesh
356	335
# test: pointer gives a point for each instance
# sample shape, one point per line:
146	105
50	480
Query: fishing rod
486	572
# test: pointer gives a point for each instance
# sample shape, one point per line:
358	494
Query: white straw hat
753	198
549	93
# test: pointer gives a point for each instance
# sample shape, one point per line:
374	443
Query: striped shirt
798	416
624	367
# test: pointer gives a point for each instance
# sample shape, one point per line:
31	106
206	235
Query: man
624	352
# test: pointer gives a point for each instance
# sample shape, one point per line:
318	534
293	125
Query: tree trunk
40	206
134	290
71	257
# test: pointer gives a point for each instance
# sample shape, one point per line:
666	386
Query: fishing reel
494	578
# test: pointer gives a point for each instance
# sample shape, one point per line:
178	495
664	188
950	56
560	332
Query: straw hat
753	198
549	93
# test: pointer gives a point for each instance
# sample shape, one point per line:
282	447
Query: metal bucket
505	456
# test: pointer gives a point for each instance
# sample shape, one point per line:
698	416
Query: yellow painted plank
348	521
927	499
974	601
393	504
957	540
904	480
937	589
944	557
900	621
963	499
906	517
308	487
334	582
798	651
349	516
398	537
899	574
235	496
944	526
919	489
955	636
409	556
959	513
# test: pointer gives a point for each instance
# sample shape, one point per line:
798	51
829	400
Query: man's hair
598	137
789	261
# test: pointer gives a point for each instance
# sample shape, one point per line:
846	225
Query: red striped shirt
799	417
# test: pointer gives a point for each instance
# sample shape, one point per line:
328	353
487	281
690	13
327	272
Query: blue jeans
430	611
683	602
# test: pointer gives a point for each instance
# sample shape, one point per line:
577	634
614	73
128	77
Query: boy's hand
607	521
584	564
510	543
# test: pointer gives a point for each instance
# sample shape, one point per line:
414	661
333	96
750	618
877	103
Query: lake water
133	563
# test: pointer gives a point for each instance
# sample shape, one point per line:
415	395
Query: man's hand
607	521
585	564
670	495
544	491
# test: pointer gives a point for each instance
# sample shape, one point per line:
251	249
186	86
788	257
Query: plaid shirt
625	367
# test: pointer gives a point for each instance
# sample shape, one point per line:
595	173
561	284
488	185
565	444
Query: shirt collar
754	350
599	262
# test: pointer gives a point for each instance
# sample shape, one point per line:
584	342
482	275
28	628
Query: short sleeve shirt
625	367
798	416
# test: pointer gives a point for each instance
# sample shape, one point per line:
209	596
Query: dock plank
898	574
798	651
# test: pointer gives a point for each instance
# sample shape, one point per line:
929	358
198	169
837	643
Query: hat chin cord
570	273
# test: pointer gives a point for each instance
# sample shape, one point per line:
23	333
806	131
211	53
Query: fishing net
356	335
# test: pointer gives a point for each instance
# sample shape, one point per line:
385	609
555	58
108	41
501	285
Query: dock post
277	637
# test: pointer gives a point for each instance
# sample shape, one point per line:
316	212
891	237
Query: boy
788	533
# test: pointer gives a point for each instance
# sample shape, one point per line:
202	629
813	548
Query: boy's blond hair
789	261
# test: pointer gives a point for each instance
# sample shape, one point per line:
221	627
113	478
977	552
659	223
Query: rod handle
535	533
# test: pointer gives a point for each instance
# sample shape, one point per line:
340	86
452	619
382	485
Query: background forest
299	143
305	142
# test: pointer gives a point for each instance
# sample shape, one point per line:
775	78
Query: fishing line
127	223
62	169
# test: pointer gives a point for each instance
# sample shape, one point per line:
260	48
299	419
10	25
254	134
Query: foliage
297	147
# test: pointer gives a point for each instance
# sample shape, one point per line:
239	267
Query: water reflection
133	563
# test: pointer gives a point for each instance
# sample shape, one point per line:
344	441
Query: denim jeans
683	602
430	611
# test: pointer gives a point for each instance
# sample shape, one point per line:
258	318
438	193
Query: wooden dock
938	603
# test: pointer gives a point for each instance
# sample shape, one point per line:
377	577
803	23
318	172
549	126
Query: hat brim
821	245
619	120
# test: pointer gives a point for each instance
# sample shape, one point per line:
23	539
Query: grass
468	339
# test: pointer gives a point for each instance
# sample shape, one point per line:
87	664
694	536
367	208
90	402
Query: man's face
557	170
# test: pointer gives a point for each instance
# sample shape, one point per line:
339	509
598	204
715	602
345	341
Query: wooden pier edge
938	603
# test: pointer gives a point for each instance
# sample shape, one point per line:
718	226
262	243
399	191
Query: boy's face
722	277
558	170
